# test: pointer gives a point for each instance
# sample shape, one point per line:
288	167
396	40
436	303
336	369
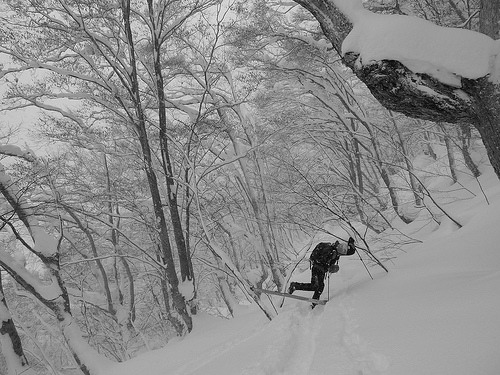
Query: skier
323	259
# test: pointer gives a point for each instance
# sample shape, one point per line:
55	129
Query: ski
286	295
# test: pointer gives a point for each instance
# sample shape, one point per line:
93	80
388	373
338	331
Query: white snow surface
445	53
435	313
186	288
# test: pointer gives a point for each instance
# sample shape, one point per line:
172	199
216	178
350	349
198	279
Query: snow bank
95	362
445	53
437	311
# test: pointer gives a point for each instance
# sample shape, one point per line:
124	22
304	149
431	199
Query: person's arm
345	249
351	249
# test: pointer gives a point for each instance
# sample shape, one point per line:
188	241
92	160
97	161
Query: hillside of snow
436	312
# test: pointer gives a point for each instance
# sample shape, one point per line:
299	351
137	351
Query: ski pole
328	286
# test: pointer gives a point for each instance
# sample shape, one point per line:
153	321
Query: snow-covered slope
436	312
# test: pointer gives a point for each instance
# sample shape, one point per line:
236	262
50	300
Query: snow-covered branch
417	68
16	151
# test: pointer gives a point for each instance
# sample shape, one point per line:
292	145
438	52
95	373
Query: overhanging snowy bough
418	68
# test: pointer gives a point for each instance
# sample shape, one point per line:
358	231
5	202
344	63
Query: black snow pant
317	283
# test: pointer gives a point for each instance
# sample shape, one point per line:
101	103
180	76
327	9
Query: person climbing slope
324	258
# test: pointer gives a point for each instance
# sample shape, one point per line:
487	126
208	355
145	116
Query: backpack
325	256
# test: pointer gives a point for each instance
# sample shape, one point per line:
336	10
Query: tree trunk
224	288
378	158
127	297
184	259
357	158
166	251
428	145
257	211
353	162
11	348
167	256
88	360
56	296
465	136
130	305
488	18
399	89
384	174
487	103
251	194
449	152
409	166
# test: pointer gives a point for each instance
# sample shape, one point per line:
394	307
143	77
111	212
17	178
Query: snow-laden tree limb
411	83
52	293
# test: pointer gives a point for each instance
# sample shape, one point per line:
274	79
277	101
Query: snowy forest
163	160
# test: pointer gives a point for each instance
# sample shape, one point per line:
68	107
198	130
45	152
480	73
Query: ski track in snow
319	342
300	341
217	353
293	343
344	352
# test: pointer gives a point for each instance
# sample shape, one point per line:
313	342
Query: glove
350	246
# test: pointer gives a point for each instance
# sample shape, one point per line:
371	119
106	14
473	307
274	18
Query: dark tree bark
488	17
399	89
178	302
127	301
184	259
449	152
465	136
8	328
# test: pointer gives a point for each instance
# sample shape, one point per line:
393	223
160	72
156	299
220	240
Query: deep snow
435	313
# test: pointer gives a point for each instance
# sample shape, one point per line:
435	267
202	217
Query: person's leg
319	283
305	286
316	285
301	286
